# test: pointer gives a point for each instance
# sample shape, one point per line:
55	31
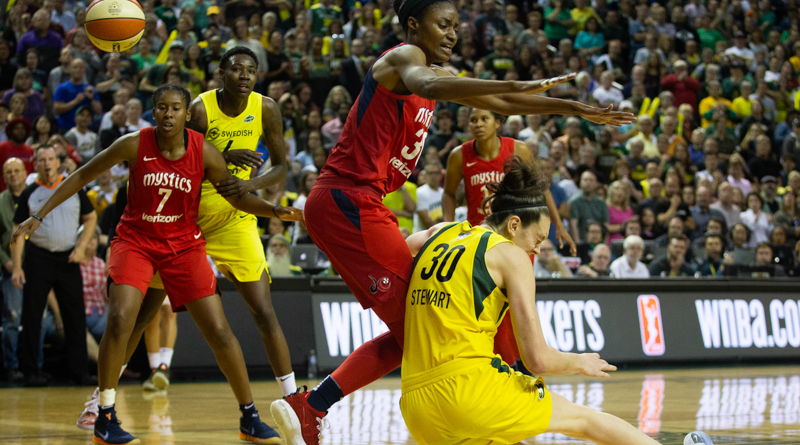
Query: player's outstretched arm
510	267
123	149
217	172
408	65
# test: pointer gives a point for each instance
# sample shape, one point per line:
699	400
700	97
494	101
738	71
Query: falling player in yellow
455	389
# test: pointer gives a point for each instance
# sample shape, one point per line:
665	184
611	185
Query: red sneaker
298	423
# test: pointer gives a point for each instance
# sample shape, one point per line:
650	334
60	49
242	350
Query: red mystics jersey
163	195
380	142
478	173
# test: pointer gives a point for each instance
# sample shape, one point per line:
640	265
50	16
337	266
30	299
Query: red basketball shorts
361	238
182	263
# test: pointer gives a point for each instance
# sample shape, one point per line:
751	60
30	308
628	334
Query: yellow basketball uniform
231	235
455	389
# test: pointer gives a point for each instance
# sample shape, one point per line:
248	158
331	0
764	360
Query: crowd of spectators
705	180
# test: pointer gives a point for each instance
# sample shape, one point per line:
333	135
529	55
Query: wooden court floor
753	405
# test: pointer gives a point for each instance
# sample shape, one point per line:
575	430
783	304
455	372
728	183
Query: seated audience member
80	136
673	205
619	208
279	254
788	216
647	218
628	265
769	193
675	227
632	226
715	226
548	264
673	264
756	219
740	239
711	263
781	249
598	267
586	206
702	213
18	131
595	234
725	204
766	258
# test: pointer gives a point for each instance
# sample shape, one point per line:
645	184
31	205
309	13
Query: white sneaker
697	438
89	414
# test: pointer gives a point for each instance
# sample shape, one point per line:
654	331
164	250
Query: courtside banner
625	321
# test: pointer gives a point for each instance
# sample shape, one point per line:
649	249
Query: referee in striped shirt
52	261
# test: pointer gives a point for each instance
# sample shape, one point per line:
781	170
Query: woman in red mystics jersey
380	144
159	233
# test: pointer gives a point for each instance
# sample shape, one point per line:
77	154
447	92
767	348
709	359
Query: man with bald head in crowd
48	43
14	174
598	267
702	213
72	94
119	127
725	205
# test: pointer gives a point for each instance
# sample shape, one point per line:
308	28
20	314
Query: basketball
114	25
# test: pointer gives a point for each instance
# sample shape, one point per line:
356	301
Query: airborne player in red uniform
159	232
378	148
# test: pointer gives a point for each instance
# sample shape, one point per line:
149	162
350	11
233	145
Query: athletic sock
325	395
166	356
107	398
154	358
122	369
248	411
287	384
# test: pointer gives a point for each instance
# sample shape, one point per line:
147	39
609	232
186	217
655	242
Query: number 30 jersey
229	133
453	306
381	141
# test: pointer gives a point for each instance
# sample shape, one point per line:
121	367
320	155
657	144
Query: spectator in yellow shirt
709	103
743	105
580	15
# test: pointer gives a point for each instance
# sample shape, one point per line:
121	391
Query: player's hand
591	365
242	158
234	187
25	229
562	236
288	213
540	86
607	116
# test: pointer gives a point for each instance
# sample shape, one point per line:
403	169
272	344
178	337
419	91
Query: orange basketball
114	25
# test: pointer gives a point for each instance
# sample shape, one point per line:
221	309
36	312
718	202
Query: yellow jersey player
455	389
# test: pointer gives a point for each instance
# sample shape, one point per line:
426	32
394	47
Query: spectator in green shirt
708	36
321	15
168	12
557	21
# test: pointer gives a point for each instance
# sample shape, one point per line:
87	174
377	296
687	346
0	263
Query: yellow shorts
233	243
482	406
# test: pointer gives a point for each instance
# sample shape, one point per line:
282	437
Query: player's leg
259	300
209	317
150	307
168	332
123	310
232	241
190	282
581	422
152	342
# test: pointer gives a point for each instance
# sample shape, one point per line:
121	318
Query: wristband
36	217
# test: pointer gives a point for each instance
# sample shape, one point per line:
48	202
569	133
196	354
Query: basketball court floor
753	405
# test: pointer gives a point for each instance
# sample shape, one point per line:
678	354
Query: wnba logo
651	325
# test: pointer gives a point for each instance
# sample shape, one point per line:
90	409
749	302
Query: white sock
287	384
154	358
107	398
166	356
